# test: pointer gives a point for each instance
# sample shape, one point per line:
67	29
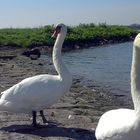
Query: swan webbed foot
35	125
34	122
43	117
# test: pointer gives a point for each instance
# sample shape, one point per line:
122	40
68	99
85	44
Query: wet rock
40	64
33	53
5	57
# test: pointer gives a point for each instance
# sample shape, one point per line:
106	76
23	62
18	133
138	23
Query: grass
84	34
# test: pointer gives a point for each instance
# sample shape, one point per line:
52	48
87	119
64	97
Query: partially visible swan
124	124
39	92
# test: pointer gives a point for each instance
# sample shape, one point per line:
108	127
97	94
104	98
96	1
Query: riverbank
78	37
74	117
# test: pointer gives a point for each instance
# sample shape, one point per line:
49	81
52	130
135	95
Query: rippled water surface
109	65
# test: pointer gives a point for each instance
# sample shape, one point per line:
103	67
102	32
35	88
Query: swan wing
32	89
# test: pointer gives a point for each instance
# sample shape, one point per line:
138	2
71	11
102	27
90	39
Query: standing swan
39	92
124	124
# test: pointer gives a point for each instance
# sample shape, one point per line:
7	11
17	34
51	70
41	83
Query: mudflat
74	117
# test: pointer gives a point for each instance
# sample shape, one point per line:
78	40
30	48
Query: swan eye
57	31
58	28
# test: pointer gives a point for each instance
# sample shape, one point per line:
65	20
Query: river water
107	65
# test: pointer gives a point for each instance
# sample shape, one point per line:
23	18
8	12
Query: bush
84	33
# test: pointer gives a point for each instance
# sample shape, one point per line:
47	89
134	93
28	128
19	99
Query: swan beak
54	34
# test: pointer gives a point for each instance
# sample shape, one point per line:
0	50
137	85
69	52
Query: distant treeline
135	26
80	36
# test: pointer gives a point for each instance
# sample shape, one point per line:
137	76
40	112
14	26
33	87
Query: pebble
70	117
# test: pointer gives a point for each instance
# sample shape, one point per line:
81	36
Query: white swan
39	92
124	124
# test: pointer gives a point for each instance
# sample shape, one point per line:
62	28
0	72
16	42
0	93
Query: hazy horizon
35	13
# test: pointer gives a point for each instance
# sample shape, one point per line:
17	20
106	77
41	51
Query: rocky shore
74	117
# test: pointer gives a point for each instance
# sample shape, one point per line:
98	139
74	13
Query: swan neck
58	64
135	78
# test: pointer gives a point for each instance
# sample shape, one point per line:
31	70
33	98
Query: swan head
137	41
60	28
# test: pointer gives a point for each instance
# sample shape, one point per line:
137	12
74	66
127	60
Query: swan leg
34	123
43	117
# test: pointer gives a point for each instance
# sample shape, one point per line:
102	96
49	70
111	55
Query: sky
34	13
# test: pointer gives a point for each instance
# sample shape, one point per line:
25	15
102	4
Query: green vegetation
82	35
28	37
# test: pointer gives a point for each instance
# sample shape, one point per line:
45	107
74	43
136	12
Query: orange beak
54	35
